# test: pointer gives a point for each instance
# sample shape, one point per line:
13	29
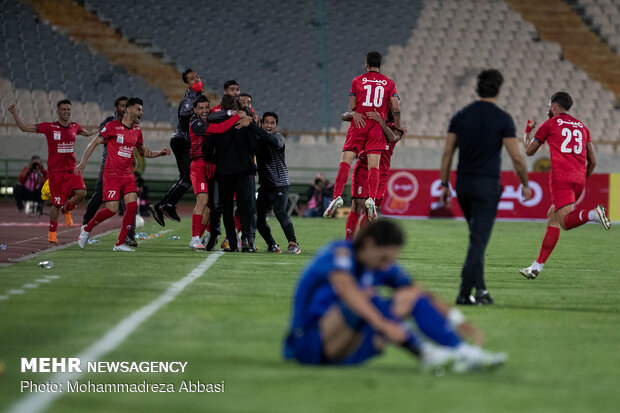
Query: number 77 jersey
373	91
567	138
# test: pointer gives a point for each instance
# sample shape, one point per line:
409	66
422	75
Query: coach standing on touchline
479	130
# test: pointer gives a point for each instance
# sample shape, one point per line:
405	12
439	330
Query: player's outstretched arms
24	127
88	132
97	140
591	159
518	162
390	135
346	288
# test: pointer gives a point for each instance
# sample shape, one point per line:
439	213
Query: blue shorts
306	346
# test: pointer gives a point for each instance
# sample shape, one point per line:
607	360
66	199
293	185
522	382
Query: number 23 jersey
120	140
567	138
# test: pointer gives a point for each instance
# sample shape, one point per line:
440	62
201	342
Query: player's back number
568	137
377	96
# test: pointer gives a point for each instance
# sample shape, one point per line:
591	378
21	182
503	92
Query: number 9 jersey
567	138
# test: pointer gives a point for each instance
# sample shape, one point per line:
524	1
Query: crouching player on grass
338	317
121	136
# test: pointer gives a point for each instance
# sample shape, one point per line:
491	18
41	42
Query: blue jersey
314	294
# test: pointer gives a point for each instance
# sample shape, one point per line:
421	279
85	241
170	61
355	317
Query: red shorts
370	138
565	193
359	180
62	184
115	186
201	172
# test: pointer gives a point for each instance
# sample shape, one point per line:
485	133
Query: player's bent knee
404	300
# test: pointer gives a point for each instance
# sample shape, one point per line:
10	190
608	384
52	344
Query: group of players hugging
338	316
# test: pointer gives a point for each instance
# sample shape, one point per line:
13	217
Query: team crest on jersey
120	138
56	135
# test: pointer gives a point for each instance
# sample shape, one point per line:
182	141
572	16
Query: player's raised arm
446	164
24	127
346	288
591	158
97	140
512	146
530	142
87	132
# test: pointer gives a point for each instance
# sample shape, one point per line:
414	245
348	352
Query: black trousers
244	188
275	197
21	194
94	202
180	145
478	198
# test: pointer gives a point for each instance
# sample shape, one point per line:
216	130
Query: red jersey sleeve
42	127
393	93
588	138
352	92
140	140
543	132
106	132
78	129
223	126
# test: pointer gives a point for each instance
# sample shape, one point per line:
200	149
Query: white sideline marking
38	402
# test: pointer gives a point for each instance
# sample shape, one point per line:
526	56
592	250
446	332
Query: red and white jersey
60	144
373	91
567	138
120	142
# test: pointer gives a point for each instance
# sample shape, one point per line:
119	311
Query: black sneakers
157	214
171	212
482	297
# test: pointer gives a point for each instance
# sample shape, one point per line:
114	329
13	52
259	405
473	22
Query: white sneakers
196	245
371	209
333	206
123	248
83	237
602	217
462	359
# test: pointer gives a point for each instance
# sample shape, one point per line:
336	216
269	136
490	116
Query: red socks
373	183
551	238
341	178
237	221
128	220
53	226
196	225
351	225
575	219
99	217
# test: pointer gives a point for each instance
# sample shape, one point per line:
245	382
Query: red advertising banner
415	193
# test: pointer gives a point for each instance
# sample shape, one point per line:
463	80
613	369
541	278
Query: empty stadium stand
39	61
605	17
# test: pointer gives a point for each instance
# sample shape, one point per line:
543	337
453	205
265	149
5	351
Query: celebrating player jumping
370	92
121	136
572	161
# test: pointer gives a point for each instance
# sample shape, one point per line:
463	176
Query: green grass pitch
562	331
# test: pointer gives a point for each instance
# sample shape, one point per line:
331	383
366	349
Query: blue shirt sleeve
395	277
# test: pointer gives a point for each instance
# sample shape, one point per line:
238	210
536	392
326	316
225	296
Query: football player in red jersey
121	136
572	162
371	91
202	171
359	179
67	189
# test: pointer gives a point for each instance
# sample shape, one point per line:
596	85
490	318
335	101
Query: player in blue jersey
339	317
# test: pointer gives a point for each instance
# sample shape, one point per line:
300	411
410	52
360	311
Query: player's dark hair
563	99
246	95
200	99
63	102
373	59
185	73
134	101
227	102
229	83
489	83
119	100
383	232
272	114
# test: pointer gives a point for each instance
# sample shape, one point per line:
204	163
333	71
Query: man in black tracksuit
95	201
274	182
180	145
233	154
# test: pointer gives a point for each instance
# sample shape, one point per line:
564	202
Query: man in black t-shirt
480	130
